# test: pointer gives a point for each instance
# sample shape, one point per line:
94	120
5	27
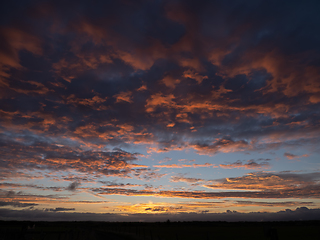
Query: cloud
123	97
73	186
301	213
81	94
272	204
259	185
184	179
193	75
17	204
291	156
197	207
170	81
185	165
24	199
306	192
250	164
269	181
166	159
119	185
58	209
222	145
95	102
185	160
7	185
41	155
158	100
15	40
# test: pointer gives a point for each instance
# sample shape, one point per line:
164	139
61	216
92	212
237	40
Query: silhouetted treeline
27	230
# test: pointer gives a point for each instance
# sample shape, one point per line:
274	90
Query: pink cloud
293	156
185	165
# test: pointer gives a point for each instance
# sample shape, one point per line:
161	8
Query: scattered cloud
166	159
185	165
291	156
250	164
73	186
17	204
58	209
184	179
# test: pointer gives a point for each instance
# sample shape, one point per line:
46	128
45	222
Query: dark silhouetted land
27	230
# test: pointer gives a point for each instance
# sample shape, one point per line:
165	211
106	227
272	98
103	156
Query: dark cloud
17	204
118	185
59	209
21	195
191	61
269	204
73	186
250	164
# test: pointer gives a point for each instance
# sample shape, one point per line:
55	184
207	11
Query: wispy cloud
293	156
186	165
250	164
58	209
17	204
257	185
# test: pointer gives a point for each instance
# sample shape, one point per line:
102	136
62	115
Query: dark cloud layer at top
121	72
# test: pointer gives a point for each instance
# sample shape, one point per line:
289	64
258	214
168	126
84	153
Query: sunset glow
154	110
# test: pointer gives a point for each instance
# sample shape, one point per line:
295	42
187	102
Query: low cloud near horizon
300	214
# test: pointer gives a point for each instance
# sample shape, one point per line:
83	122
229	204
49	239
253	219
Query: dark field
13	230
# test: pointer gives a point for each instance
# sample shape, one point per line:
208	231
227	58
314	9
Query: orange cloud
13	41
17	40
95	102
293	156
191	74
69	70
286	73
158	100
170	81
163	207
142	88
222	145
273	194
123	97
265	181
185	165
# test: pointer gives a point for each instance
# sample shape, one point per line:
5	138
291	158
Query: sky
154	109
